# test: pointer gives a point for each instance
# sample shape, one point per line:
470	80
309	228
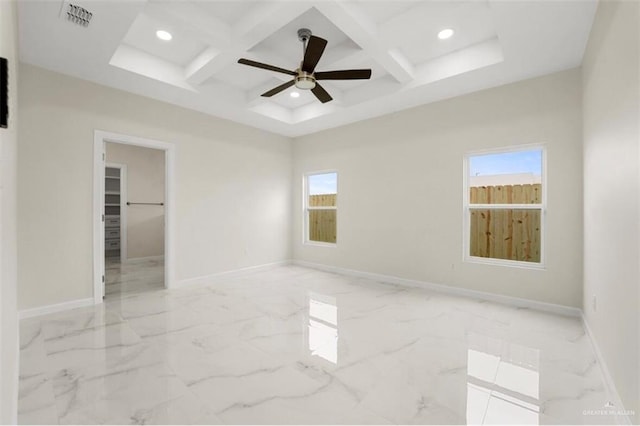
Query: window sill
508	263
320	244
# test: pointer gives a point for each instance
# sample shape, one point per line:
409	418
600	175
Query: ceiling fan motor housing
304	34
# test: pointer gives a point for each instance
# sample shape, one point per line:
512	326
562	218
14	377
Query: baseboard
143	259
16	381
618	409
58	307
441	288
212	278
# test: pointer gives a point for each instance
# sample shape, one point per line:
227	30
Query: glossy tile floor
134	276
296	345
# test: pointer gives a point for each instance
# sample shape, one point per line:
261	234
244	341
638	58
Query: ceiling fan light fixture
305	81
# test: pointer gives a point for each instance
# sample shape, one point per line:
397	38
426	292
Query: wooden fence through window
322	223
512	234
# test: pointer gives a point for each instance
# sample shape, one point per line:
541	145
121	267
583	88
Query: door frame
99	161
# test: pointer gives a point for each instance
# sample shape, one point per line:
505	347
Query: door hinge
103	278
103	156
103	218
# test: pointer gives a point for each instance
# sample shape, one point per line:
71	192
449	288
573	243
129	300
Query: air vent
76	14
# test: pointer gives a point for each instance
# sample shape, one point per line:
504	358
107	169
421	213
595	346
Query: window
504	206
321	192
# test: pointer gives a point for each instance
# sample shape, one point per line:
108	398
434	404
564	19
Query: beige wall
8	249
145	183
612	192
400	188
233	185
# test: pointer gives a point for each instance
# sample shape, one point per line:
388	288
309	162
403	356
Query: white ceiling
496	42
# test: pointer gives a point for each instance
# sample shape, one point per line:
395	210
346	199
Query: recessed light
294	94
164	35
445	34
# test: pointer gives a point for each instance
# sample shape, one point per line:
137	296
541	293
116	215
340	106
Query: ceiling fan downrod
304	80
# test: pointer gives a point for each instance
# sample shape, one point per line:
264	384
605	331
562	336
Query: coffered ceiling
494	43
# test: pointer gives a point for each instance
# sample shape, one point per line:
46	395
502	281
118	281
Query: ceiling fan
305	77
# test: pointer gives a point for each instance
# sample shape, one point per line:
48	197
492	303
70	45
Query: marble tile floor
293	345
134	276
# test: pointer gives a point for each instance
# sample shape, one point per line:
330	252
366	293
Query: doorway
133	215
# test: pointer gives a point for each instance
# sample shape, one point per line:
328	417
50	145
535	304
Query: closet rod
129	203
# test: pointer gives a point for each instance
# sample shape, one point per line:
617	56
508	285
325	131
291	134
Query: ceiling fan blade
321	94
343	75
315	48
278	89
251	63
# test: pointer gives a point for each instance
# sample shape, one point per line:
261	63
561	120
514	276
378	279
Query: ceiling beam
208	63
254	27
363	31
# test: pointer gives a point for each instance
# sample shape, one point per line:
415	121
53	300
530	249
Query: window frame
467	206
306	208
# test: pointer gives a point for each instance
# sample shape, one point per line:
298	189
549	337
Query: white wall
8	280
145	183
400	188
233	185
612	192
